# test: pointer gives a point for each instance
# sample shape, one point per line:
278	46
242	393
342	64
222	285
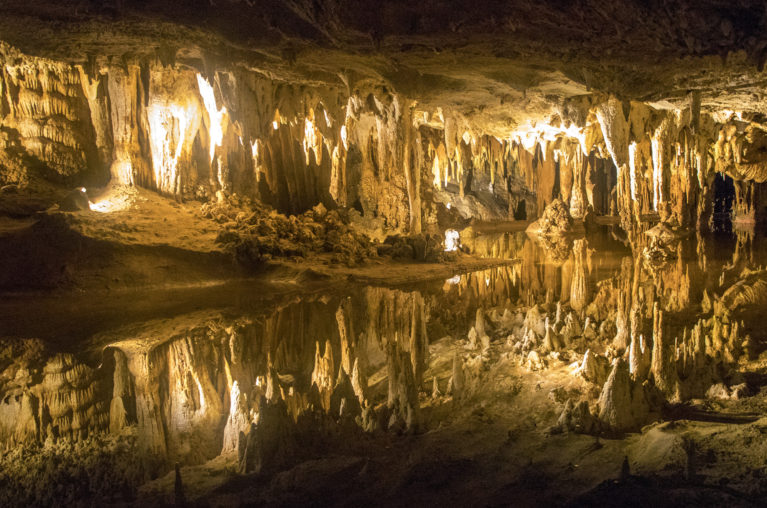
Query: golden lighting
435	171
456	279
632	169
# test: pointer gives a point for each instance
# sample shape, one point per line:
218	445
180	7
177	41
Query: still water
187	371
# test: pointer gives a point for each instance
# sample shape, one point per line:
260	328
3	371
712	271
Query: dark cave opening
724	197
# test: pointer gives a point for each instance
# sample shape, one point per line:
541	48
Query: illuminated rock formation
330	202
622	403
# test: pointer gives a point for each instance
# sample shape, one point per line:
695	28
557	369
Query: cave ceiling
498	64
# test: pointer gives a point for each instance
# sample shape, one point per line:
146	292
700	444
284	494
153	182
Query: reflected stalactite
194	387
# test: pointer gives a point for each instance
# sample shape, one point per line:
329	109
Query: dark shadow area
724	197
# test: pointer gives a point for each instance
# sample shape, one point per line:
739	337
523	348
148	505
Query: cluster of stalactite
187	131
632	328
616	157
515	178
46	120
667	161
538	276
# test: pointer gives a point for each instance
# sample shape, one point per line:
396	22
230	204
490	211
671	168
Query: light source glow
343	137
215	115
452	240
435	171
117	197
530	133
312	141
167	128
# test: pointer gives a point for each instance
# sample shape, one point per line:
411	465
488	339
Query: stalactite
412	171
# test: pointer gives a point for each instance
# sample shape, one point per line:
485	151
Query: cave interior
346	253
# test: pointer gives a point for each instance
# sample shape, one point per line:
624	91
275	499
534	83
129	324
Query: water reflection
197	384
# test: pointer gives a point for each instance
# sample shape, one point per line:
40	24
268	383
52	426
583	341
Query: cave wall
168	128
47	123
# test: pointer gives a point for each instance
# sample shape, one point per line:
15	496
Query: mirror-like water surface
263	374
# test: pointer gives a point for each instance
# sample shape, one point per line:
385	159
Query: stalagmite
457	380
622	403
594	368
479	323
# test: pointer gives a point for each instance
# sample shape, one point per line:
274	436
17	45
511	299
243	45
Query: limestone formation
622	403
270	238
555	220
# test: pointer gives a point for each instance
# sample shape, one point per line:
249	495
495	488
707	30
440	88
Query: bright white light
530	133
275	125
454	280
215	115
435	171
83	189
487	281
312	141
118	197
657	173
452	240
343	137
448	206
167	125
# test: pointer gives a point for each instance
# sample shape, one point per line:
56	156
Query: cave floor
159	244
